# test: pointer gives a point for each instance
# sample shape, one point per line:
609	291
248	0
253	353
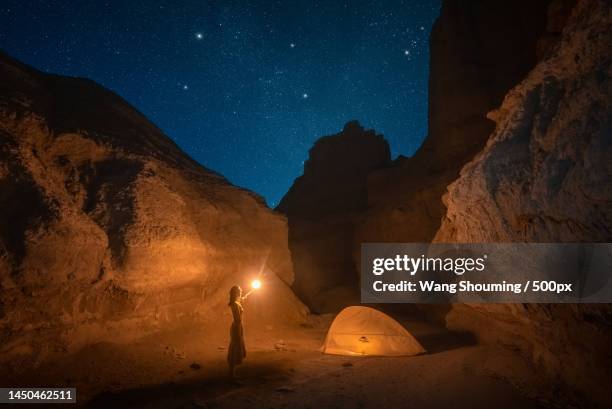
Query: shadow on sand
436	342
182	394
427	326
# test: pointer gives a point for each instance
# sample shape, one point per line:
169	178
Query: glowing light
256	284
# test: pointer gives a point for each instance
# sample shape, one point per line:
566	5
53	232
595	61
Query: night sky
243	87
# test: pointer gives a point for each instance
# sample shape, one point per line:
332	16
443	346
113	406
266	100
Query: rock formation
472	44
321	207
110	231
545	176
478	50
519	145
544	173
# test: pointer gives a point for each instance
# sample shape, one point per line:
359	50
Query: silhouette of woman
237	350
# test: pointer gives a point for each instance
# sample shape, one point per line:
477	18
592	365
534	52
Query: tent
365	331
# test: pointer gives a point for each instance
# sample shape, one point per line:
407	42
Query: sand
284	369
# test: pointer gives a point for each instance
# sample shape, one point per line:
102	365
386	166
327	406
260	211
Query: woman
236	351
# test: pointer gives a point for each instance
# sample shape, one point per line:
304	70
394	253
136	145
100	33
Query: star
249	87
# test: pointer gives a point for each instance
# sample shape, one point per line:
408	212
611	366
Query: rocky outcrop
479	50
322	206
473	44
519	145
334	176
545	176
110	231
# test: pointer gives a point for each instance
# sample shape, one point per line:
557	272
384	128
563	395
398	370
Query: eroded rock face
335	173
520	101
545	176
322	206
110	231
479	50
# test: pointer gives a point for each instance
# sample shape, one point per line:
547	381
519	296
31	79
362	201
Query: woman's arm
244	297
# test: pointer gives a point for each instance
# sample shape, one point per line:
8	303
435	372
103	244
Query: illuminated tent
366	331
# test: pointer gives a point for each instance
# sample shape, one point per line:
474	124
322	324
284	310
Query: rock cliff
545	176
322	206
478	51
472	44
519	149
110	231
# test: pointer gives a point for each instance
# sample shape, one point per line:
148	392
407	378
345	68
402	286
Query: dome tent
361	330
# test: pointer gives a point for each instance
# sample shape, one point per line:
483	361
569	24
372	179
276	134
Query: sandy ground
284	369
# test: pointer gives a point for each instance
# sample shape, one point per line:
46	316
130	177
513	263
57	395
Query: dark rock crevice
110	199
23	205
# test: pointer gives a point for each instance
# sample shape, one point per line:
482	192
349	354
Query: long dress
237	350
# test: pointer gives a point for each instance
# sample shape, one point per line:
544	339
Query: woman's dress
237	350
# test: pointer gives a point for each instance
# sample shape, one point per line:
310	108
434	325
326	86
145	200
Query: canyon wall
478	51
322	206
519	150
472	44
545	175
109	231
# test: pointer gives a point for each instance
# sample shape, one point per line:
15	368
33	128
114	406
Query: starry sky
244	87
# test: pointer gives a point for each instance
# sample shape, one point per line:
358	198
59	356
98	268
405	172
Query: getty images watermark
501	272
